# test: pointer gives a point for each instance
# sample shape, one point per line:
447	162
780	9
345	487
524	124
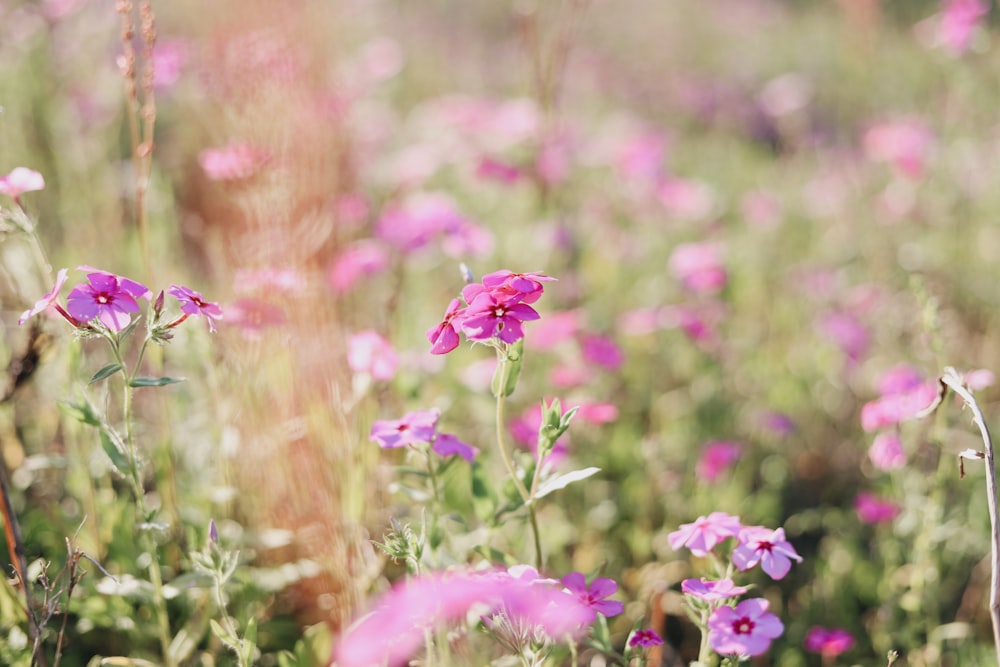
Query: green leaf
111	447
562	481
484	502
105	372
153	382
493	556
224	635
249	642
82	412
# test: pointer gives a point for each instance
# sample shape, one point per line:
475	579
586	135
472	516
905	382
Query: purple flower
746	630
594	596
528	286
107	297
447	444
645	638
701	536
712	591
193	303
887	452
829	642
444	336
872	509
767	547
47	301
414	428
488	316
715	458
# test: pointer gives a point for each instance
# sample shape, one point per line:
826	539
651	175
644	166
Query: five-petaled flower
193	303
594	595
490	315
701	536
444	336
767	547
645	638
746	629
20	180
414	428
829	642
49	301
108	298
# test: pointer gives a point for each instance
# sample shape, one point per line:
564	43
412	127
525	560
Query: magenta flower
830	642
361	259
444	336
108	298
716	457
698	267
594	595
602	351
872	509
414	428
959	19
19	181
886	452
488	317
527	286
370	353
701	536
712	591
193	303
646	638
767	547
47	301
746	630
892	409
446	444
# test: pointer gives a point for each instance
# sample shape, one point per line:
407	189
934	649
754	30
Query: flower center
764	546
104	298
743	626
499	312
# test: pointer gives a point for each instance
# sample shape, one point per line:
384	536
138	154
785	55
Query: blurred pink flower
640	321
169	56
712	591
767	547
886	452
251	316
268	279
777	423
48	301
640	157
686	199
597	413
847	332
368	352
492	169
716	457
417	427
19	181
899	380
524	430
193	303
351	210
602	351
979	379
233	162
418	220
894	408
446	444
698	266
645	638
463	239
568	376
872	509
358	260
555	328
106	297
904	142
595	595
701	536
761	209
959	19
747	629
829	642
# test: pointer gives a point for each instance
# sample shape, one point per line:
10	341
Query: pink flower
872	509
602	351
959	19
269	279
233	162
252	316
701	536
193	303
495	170
368	352
641	157
20	180
597	413
488	317
686	199
698	267
594	595
108	298
715	458
886	452
903	142
767	547
358	260
446	444
526	286
746	630
168	60
847	332
892	409
712	591
417	221
645	638
444	336
414	428
980	378
46	302
899	380
555	329
830	642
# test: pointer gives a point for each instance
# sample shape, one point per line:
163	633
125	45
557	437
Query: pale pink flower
640	321
761	209
829	642
233	162
899	380
979	379
417	221
414	428
446	444
368	352
767	547
892	409
359	260
716	457
48	301
959	20
848	332
641	156
597	413
169	56
872	509
698	266
886	452
19	181
495	170
702	535
268	280
686	199
555	328
251	316
747	629
903	142
568	376
351	210
712	591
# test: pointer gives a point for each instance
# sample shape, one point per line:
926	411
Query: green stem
704	652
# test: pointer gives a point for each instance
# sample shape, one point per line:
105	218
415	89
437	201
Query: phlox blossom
19	181
527	286
594	596
646	638
886	452
414	428
446	444
233	162
444	336
193	303
698	267
892	409
829	642
489	316
106	297
712	591
368	352
359	260
601	351
903	142
747	629
716	457
872	509
701	536
959	19
767	547
47	301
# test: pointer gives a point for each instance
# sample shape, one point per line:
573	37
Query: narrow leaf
105	372
114	452
562	481
82	412
153	382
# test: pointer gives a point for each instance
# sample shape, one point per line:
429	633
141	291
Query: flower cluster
108	301
746	628
494	309
417	429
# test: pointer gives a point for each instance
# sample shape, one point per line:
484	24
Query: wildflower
446	444
414	428
555	329
698	267
872	509
233	162
493	169
830	642
19	181
645	638
959	19
715	458
193	303
712	591
361	259
894	408
701	536
488	316
597	413
417	221
847	332
747	629
444	336
886	452
527	286
107	297
903	142
594	595
252	316
602	351
47	301
767	547
687	199
368	352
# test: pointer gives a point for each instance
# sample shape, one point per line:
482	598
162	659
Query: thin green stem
704	651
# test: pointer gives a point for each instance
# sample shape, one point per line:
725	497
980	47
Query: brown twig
953	380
